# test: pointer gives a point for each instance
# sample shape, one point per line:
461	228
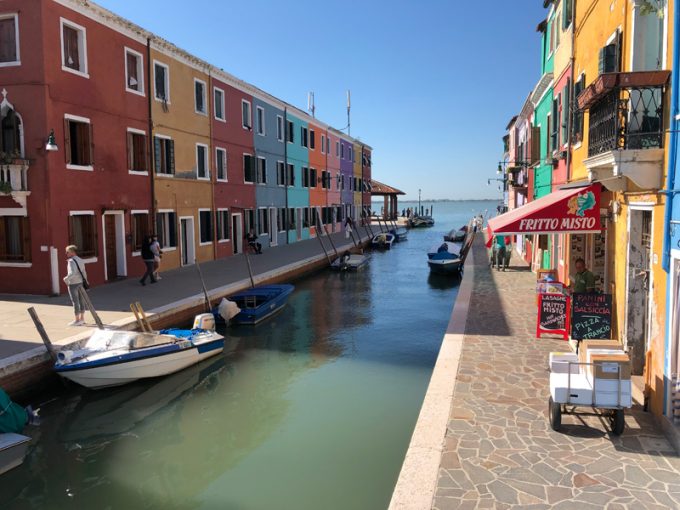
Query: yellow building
621	74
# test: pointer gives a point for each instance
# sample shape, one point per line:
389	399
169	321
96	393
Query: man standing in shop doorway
583	280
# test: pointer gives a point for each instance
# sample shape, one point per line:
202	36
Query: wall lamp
51	145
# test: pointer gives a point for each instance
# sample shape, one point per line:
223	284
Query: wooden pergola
390	209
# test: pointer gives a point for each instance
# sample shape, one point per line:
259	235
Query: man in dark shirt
583	280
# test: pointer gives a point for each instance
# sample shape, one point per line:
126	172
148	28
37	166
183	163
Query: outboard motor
204	321
228	309
64	357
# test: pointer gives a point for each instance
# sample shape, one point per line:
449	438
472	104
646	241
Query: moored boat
383	240
258	303
349	262
399	233
12	450
445	258
114	357
456	236
421	221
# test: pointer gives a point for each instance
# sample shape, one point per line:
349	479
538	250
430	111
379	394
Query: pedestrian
75	279
253	243
148	258
348	227
157	254
583	280
508	252
499	251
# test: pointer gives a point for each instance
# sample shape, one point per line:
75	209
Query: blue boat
445	258
399	233
258	303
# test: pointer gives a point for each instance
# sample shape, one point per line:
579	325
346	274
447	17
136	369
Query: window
578	114
566	109
134	72
350	156
305	217
15	239
222	216
205	225
555	124
202	170
304	136
248	168
136	150
610	55
78	145
73	48
260	120
291	174
337	149
279	128
328	145
9	40
219	103
161	82
261	171
262	221
323	144
312	142
280	173
83	233
246	118
166	229
342	151
11	133
281	219
567	13
342	182
164	155
324	178
291	219
291	132
139	229
249	220
305	177
312	177
199	96
221	164
548	137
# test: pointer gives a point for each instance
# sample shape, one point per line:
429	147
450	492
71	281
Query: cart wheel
555	414
618	422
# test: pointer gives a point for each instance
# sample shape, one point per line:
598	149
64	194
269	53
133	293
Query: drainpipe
572	99
285	167
211	151
152	153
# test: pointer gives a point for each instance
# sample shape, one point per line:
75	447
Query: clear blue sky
433	83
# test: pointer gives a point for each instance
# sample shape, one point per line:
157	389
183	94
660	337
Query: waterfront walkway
499	450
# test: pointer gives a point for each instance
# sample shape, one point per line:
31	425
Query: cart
576	384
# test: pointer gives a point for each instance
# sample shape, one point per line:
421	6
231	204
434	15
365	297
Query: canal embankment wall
25	365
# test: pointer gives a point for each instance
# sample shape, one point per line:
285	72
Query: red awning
575	210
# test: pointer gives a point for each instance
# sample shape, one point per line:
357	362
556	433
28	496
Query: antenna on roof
310	103
349	106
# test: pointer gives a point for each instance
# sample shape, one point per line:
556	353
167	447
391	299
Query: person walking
348	226
508	252
75	279
584	280
253	242
499	251
157	253
148	258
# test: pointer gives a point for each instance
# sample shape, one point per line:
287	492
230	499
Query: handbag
86	284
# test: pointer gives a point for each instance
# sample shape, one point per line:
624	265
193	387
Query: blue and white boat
383	240
399	233
114	357
258	303
349	262
445	258
12	450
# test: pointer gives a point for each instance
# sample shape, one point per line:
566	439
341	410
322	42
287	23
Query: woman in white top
75	275
156	250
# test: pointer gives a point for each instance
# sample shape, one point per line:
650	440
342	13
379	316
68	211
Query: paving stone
503	492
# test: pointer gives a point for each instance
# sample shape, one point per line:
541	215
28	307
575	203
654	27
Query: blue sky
433	83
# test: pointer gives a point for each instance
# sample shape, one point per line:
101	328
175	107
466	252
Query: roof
512	121
378	188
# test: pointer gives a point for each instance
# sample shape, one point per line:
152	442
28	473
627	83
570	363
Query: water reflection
443	281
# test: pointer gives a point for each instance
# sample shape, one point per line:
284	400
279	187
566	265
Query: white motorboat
383	240
113	357
12	450
349	262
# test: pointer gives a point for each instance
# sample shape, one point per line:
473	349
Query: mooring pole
90	307
43	334
250	269
205	291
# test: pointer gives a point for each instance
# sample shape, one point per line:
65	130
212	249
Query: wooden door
111	247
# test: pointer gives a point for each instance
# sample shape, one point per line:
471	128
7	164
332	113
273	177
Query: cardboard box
585	345
574	390
606	365
559	362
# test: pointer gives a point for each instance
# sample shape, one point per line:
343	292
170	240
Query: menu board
591	316
553	315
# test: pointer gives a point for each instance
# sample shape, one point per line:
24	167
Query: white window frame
337	148
166	211
218	211
222	104
282	185
323	144
257	170
243	161
200	210
258	230
167	82
206	162
140	71
249	127
162	175
219	150
138	212
205	98
17	62
70	166
261	126
137	132
82	47
86	213
280	131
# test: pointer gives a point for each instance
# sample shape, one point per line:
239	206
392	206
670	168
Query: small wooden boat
349	262
445	258
114	357
383	240
12	450
259	303
421	221
399	233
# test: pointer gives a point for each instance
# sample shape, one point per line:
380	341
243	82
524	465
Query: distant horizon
423	200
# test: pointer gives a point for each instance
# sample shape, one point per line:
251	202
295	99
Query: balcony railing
14	176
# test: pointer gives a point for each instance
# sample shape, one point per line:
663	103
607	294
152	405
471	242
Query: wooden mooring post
90	307
43	334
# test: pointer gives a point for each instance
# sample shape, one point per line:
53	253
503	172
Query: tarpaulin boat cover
13	417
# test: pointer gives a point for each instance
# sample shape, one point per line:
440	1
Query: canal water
312	409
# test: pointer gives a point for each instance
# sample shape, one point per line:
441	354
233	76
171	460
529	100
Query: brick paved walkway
499	449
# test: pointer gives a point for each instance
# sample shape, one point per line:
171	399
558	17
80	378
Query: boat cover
13	417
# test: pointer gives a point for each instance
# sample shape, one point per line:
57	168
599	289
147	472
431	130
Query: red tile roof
378	188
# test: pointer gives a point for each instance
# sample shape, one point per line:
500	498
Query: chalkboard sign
553	315
591	316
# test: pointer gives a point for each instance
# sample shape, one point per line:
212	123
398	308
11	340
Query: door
237	232
273	227
111	247
298	224
187	240
674	408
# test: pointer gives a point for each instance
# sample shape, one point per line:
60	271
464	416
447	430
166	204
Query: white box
559	362
576	390
612	399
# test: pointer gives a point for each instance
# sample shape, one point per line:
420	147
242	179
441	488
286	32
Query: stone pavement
500	451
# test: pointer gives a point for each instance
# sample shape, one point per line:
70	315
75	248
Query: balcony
14	180
626	132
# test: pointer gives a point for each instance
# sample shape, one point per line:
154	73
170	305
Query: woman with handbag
76	277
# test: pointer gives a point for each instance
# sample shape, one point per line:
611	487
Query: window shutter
26	240
3	239
157	154
90	144
141	155
171	156
67	140
600	65
535	144
130	151
172	228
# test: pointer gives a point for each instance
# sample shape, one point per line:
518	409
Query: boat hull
445	266
252	316
13	449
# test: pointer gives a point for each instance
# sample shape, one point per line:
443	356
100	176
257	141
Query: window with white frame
161	82
304	134
305	177
205	226
78	143
262	221
9	40
222	217
166	229
15	239
350	154
261	171
246	116
164	155
73	48
291	174
199	96
281	219
312	177
139	229
136	151
134	72
312	141
248	168
202	169
342	151
279	128
323	144
280	173
219	104
260	121
249	220
221	164
83	233
291	132
328	145
337	149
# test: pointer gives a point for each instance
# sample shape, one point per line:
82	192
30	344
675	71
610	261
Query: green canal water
312	410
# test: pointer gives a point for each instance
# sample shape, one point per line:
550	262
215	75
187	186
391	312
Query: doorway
673	409
237	232
186	232
273	227
115	265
